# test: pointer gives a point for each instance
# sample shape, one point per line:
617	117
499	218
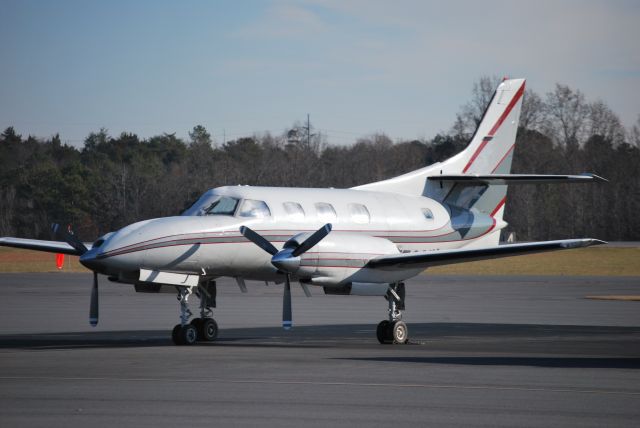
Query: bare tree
469	118
634	133
604	122
532	113
566	114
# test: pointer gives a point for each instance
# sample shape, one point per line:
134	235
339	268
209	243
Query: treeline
114	181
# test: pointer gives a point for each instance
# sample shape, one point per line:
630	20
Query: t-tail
476	179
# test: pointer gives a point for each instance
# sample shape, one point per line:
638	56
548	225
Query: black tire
400	332
197	323
208	330
175	335
189	334
382	332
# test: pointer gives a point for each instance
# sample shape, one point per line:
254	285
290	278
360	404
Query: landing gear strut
204	328
394	330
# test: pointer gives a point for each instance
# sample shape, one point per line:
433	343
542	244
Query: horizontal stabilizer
494	179
40	245
426	259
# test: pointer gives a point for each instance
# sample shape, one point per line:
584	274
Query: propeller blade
70	239
93	308
311	241
305	288
258	239
287	321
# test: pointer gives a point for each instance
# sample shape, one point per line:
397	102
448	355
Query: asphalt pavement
484	351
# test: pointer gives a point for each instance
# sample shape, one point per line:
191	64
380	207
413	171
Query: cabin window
253	208
294	211
325	211
427	213
359	213
223	206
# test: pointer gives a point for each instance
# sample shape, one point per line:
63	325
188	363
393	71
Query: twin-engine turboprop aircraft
366	240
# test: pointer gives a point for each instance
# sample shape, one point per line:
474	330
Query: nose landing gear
394	330
203	329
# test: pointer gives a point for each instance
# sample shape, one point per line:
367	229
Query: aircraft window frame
325	211
359	213
427	214
225	210
294	211
253	208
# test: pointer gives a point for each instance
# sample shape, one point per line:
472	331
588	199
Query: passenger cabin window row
251	208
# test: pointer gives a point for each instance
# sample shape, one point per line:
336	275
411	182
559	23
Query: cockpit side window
253	208
223	206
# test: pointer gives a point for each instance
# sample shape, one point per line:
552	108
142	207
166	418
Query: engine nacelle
340	259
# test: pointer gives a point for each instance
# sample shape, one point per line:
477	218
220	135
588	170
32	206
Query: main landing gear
203	329
394	330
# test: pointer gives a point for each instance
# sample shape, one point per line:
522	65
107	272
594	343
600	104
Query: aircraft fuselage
365	223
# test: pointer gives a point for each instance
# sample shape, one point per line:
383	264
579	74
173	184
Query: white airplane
366	240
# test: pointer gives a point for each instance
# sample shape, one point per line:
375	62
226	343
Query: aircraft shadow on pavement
462	343
547	362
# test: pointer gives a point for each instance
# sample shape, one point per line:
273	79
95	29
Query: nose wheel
394	330
203	329
184	334
207	329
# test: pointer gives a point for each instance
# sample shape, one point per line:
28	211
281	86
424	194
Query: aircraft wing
40	245
426	259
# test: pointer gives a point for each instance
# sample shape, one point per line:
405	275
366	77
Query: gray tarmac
484	351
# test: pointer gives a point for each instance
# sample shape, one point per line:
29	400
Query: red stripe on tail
496	126
497	208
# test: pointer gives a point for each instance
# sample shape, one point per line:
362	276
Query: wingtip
598	242
596	178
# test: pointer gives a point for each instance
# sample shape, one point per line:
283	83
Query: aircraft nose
90	260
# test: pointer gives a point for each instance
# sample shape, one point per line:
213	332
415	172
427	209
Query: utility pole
293	135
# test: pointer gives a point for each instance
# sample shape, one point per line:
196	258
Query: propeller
93	307
287	260
80	248
69	238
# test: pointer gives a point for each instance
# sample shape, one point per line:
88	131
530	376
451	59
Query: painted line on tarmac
312	383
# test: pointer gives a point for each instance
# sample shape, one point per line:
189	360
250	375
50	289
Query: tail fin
491	148
489	152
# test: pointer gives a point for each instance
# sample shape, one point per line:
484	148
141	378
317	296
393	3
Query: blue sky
358	67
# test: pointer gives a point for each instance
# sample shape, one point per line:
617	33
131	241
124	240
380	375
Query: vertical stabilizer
490	151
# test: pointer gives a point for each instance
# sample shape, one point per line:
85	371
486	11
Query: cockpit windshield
223	206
